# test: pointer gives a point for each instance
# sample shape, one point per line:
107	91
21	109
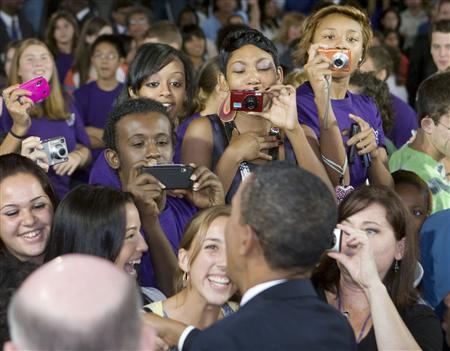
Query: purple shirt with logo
358	105
72	130
173	220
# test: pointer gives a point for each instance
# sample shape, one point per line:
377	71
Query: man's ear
400	248
112	158
223	84
280	75
249	241
183	260
132	94
9	346
427	124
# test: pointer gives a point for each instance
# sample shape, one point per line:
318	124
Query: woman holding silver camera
53	117
371	280
333	45
231	143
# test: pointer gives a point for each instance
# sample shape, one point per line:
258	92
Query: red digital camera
246	100
340	59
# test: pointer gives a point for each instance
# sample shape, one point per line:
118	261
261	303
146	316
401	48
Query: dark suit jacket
25	28
421	66
288	316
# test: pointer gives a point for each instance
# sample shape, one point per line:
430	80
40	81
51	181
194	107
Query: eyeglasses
447	127
98	56
138	21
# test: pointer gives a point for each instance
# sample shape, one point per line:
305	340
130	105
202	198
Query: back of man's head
76	302
433	97
292	213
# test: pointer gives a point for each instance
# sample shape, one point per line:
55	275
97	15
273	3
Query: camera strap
244	168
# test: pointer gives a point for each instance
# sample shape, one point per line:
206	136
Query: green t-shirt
431	171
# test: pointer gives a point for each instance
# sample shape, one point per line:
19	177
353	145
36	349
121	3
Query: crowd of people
313	142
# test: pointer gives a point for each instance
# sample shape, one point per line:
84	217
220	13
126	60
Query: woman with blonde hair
54	117
202	286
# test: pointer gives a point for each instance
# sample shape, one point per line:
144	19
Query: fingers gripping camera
340	59
56	150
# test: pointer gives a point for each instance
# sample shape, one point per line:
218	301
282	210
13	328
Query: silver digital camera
336	241
56	150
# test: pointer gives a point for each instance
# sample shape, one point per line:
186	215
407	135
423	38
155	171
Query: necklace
347	315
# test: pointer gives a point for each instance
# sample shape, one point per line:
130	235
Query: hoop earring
225	113
185	278
396	266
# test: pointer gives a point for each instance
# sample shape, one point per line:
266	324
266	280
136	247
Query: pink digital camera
39	88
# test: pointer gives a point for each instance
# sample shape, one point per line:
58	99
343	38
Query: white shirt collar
258	289
7	19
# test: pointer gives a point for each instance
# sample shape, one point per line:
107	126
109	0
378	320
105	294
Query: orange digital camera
340	59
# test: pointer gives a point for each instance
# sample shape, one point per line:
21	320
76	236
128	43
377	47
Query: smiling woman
202	284
27	202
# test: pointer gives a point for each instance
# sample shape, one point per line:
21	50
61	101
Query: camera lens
251	102
60	151
340	60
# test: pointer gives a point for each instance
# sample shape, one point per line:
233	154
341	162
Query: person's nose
253	77
165	90
28	218
152	151
142	245
341	43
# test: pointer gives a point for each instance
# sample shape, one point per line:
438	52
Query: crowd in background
138	83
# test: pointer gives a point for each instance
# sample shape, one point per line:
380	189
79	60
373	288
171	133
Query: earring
396	266
185	278
225	113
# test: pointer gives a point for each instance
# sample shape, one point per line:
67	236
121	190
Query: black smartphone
352	152
172	176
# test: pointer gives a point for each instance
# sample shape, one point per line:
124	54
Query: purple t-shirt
72	129
94	105
405	120
173	220
180	131
63	64
359	105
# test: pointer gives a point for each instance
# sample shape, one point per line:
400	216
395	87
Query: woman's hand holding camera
317	69
249	146
18	104
357	257
207	189
147	191
67	168
283	109
32	148
365	140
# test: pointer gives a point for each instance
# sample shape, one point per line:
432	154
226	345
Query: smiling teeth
219	280
32	234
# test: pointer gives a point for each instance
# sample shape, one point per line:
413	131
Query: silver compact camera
56	150
336	241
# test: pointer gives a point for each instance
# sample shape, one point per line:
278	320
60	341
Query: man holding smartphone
139	134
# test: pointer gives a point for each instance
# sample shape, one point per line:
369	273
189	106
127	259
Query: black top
421	321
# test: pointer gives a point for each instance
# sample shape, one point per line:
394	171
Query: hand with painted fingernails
365	140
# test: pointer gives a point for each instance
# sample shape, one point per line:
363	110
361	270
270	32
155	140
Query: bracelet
17	136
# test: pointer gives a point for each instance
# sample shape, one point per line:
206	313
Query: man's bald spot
72	286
